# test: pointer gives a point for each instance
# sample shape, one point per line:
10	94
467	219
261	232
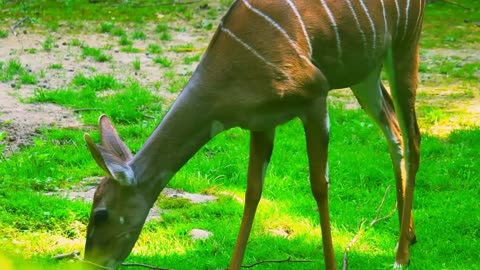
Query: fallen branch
90	263
18	23
350	245
86	109
380	207
372	223
179	3
72	255
144	265
76	255
288	260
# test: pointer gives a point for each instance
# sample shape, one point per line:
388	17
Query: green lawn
34	227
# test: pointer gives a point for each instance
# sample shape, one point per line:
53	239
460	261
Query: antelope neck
182	132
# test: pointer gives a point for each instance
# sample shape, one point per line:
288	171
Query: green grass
119	32
10	69
165	36
191	59
136	64
28	78
13	69
74	11
160	28
163	61
56	66
3	34
139	35
449	26
3	136
36	227
126	103
106	27
48	43
154	48
95	53
76	42
125	41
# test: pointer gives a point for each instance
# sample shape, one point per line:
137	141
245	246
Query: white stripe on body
420	15
398	15
372	24
357	21
385	21
279	28
407	9
246	46
335	27
302	23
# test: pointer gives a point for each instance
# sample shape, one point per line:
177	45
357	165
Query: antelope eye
100	216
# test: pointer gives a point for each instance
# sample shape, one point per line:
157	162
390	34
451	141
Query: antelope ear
111	140
113	165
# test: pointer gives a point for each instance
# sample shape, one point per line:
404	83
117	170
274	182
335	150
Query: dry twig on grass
372	223
288	260
144	265
76	255
18	23
71	255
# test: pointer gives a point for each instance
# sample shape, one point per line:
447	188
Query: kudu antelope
268	62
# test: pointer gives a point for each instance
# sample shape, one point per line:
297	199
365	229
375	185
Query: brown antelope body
268	62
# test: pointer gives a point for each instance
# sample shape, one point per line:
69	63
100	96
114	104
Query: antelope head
119	210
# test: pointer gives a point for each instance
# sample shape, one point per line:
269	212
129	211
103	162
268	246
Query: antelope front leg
261	146
316	124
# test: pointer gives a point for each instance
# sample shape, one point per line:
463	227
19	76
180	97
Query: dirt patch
21	120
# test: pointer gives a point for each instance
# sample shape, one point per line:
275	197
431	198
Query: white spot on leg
397	265
327	123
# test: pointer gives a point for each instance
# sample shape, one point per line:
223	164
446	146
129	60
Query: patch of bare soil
22	120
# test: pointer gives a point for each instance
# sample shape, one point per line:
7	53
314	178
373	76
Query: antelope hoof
397	265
